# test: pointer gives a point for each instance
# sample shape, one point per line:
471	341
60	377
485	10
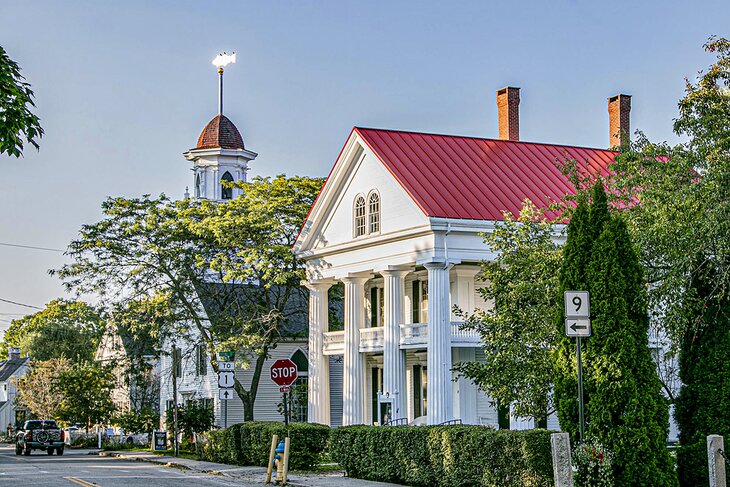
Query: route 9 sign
577	304
284	372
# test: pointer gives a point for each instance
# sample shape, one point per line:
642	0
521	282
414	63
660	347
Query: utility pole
175	360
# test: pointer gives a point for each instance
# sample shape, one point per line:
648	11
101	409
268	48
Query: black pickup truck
39	435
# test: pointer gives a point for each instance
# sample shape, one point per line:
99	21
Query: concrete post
562	462
318	398
353	376
394	359
715	461
440	390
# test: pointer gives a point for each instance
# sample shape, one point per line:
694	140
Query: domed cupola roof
220	133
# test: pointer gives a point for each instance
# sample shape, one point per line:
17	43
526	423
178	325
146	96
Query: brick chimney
13	353
508	108
619	130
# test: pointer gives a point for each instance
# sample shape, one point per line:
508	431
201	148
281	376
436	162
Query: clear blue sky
123	88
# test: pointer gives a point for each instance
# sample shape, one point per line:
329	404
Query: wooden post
715	461
286	459
562	462
272	452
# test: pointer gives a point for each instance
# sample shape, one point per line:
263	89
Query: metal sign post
578	324
284	373
226	381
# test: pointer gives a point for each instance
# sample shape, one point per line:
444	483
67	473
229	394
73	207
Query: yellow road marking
81	482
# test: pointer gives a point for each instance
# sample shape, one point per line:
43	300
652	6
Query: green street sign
226	356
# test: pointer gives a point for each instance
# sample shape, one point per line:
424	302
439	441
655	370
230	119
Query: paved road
77	467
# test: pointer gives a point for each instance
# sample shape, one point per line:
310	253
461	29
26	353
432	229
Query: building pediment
359	175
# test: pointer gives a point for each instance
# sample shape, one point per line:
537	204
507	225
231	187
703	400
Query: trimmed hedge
249	443
444	455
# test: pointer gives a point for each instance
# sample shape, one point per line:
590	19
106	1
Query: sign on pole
225	380
577	304
577	327
225	356
225	394
284	372
226	366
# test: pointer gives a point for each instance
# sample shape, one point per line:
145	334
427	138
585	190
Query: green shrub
249	443
444	455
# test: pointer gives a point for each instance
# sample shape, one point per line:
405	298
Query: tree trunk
248	398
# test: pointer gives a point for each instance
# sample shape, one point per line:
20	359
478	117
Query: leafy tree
680	224
64	328
86	391
143	420
16	119
154	247
37	390
518	333
703	405
194	417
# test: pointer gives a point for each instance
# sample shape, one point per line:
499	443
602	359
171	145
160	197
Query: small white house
11	370
398	222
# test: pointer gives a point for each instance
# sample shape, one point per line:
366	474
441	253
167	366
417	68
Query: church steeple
219	154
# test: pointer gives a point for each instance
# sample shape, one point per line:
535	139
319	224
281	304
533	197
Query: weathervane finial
220	61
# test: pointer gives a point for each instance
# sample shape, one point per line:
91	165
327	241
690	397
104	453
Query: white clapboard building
398	223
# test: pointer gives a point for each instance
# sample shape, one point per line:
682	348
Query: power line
19	304
31	247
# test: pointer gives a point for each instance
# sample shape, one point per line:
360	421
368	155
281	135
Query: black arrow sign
225	394
575	327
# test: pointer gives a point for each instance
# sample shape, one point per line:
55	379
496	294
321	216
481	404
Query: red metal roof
471	178
220	132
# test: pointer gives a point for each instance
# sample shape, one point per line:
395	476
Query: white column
440	392
394	360
353	380
318	382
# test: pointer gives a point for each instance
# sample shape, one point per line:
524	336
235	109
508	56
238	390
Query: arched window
359	215
198	187
373	212
301	360
226	193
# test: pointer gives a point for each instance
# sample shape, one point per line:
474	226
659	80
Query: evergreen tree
626	411
576	253
586	224
703	404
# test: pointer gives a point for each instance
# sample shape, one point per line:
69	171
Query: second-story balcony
412	335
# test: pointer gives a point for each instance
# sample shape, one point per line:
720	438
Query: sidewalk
248	474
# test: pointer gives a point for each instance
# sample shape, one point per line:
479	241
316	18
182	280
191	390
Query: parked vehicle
39	435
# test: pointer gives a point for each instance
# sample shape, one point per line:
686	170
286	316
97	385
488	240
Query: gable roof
9	367
473	178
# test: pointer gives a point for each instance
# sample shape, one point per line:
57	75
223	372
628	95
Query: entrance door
420	389
376	374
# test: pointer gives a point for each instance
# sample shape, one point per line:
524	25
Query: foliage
86	391
37	391
594	465
16	119
703	405
249	443
625	410
444	455
154	248
681	226
64	328
518	334
138	421
193	417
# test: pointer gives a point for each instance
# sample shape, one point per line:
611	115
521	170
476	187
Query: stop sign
284	372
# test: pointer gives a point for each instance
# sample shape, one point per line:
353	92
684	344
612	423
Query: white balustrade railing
460	335
413	334
334	342
371	339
